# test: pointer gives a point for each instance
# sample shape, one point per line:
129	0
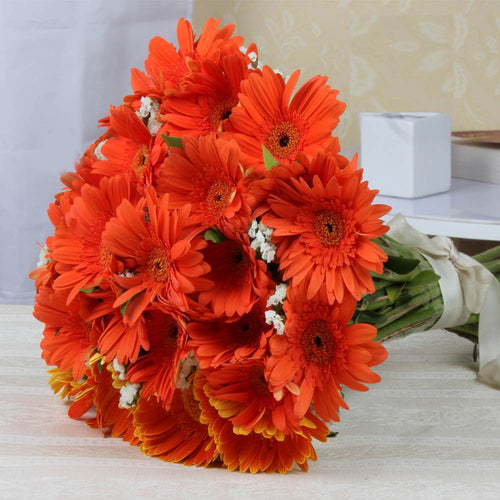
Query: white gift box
407	155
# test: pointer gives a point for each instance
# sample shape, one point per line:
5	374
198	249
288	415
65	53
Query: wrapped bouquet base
427	284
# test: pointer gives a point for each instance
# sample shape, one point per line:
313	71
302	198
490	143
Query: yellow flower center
158	265
329	227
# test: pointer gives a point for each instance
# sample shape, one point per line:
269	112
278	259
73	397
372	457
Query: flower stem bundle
408	296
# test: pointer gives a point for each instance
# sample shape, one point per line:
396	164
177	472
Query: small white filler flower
149	111
128	395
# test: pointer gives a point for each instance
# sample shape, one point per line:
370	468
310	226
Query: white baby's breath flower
279	295
254	58
261	235
128	273
268	252
273	318
188	366
128	395
258	241
121	369
266	231
149	111
43	260
98	151
254	227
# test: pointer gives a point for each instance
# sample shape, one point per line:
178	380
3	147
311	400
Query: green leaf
401	265
89	290
269	160
331	434
393	292
371	317
172	141
214	235
123	308
424	278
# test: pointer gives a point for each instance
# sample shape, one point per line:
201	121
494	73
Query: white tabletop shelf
470	209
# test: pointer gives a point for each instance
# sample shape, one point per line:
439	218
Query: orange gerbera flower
61	382
325	166
230	341
44	274
208	99
253	452
81	258
123	341
240	393
167	67
323	231
131	149
267	117
207	173
82	396
176	435
113	420
68	337
60	207
165	250
157	369
84	173
319	353
239	278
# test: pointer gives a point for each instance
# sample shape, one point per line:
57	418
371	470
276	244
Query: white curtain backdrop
62	63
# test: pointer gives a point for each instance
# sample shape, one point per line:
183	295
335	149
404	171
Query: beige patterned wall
383	55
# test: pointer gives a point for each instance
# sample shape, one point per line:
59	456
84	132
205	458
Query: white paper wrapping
466	286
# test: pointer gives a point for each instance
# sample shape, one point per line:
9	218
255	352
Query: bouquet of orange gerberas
208	255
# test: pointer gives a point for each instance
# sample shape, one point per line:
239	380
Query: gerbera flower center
259	382
158	265
221	111
329	227
171	332
219	196
248	329
187	414
283	140
318	343
241	259
105	257
191	405
140	161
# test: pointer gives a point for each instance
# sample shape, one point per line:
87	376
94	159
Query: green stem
493	266
418	300
413	321
488	255
416	309
465	333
